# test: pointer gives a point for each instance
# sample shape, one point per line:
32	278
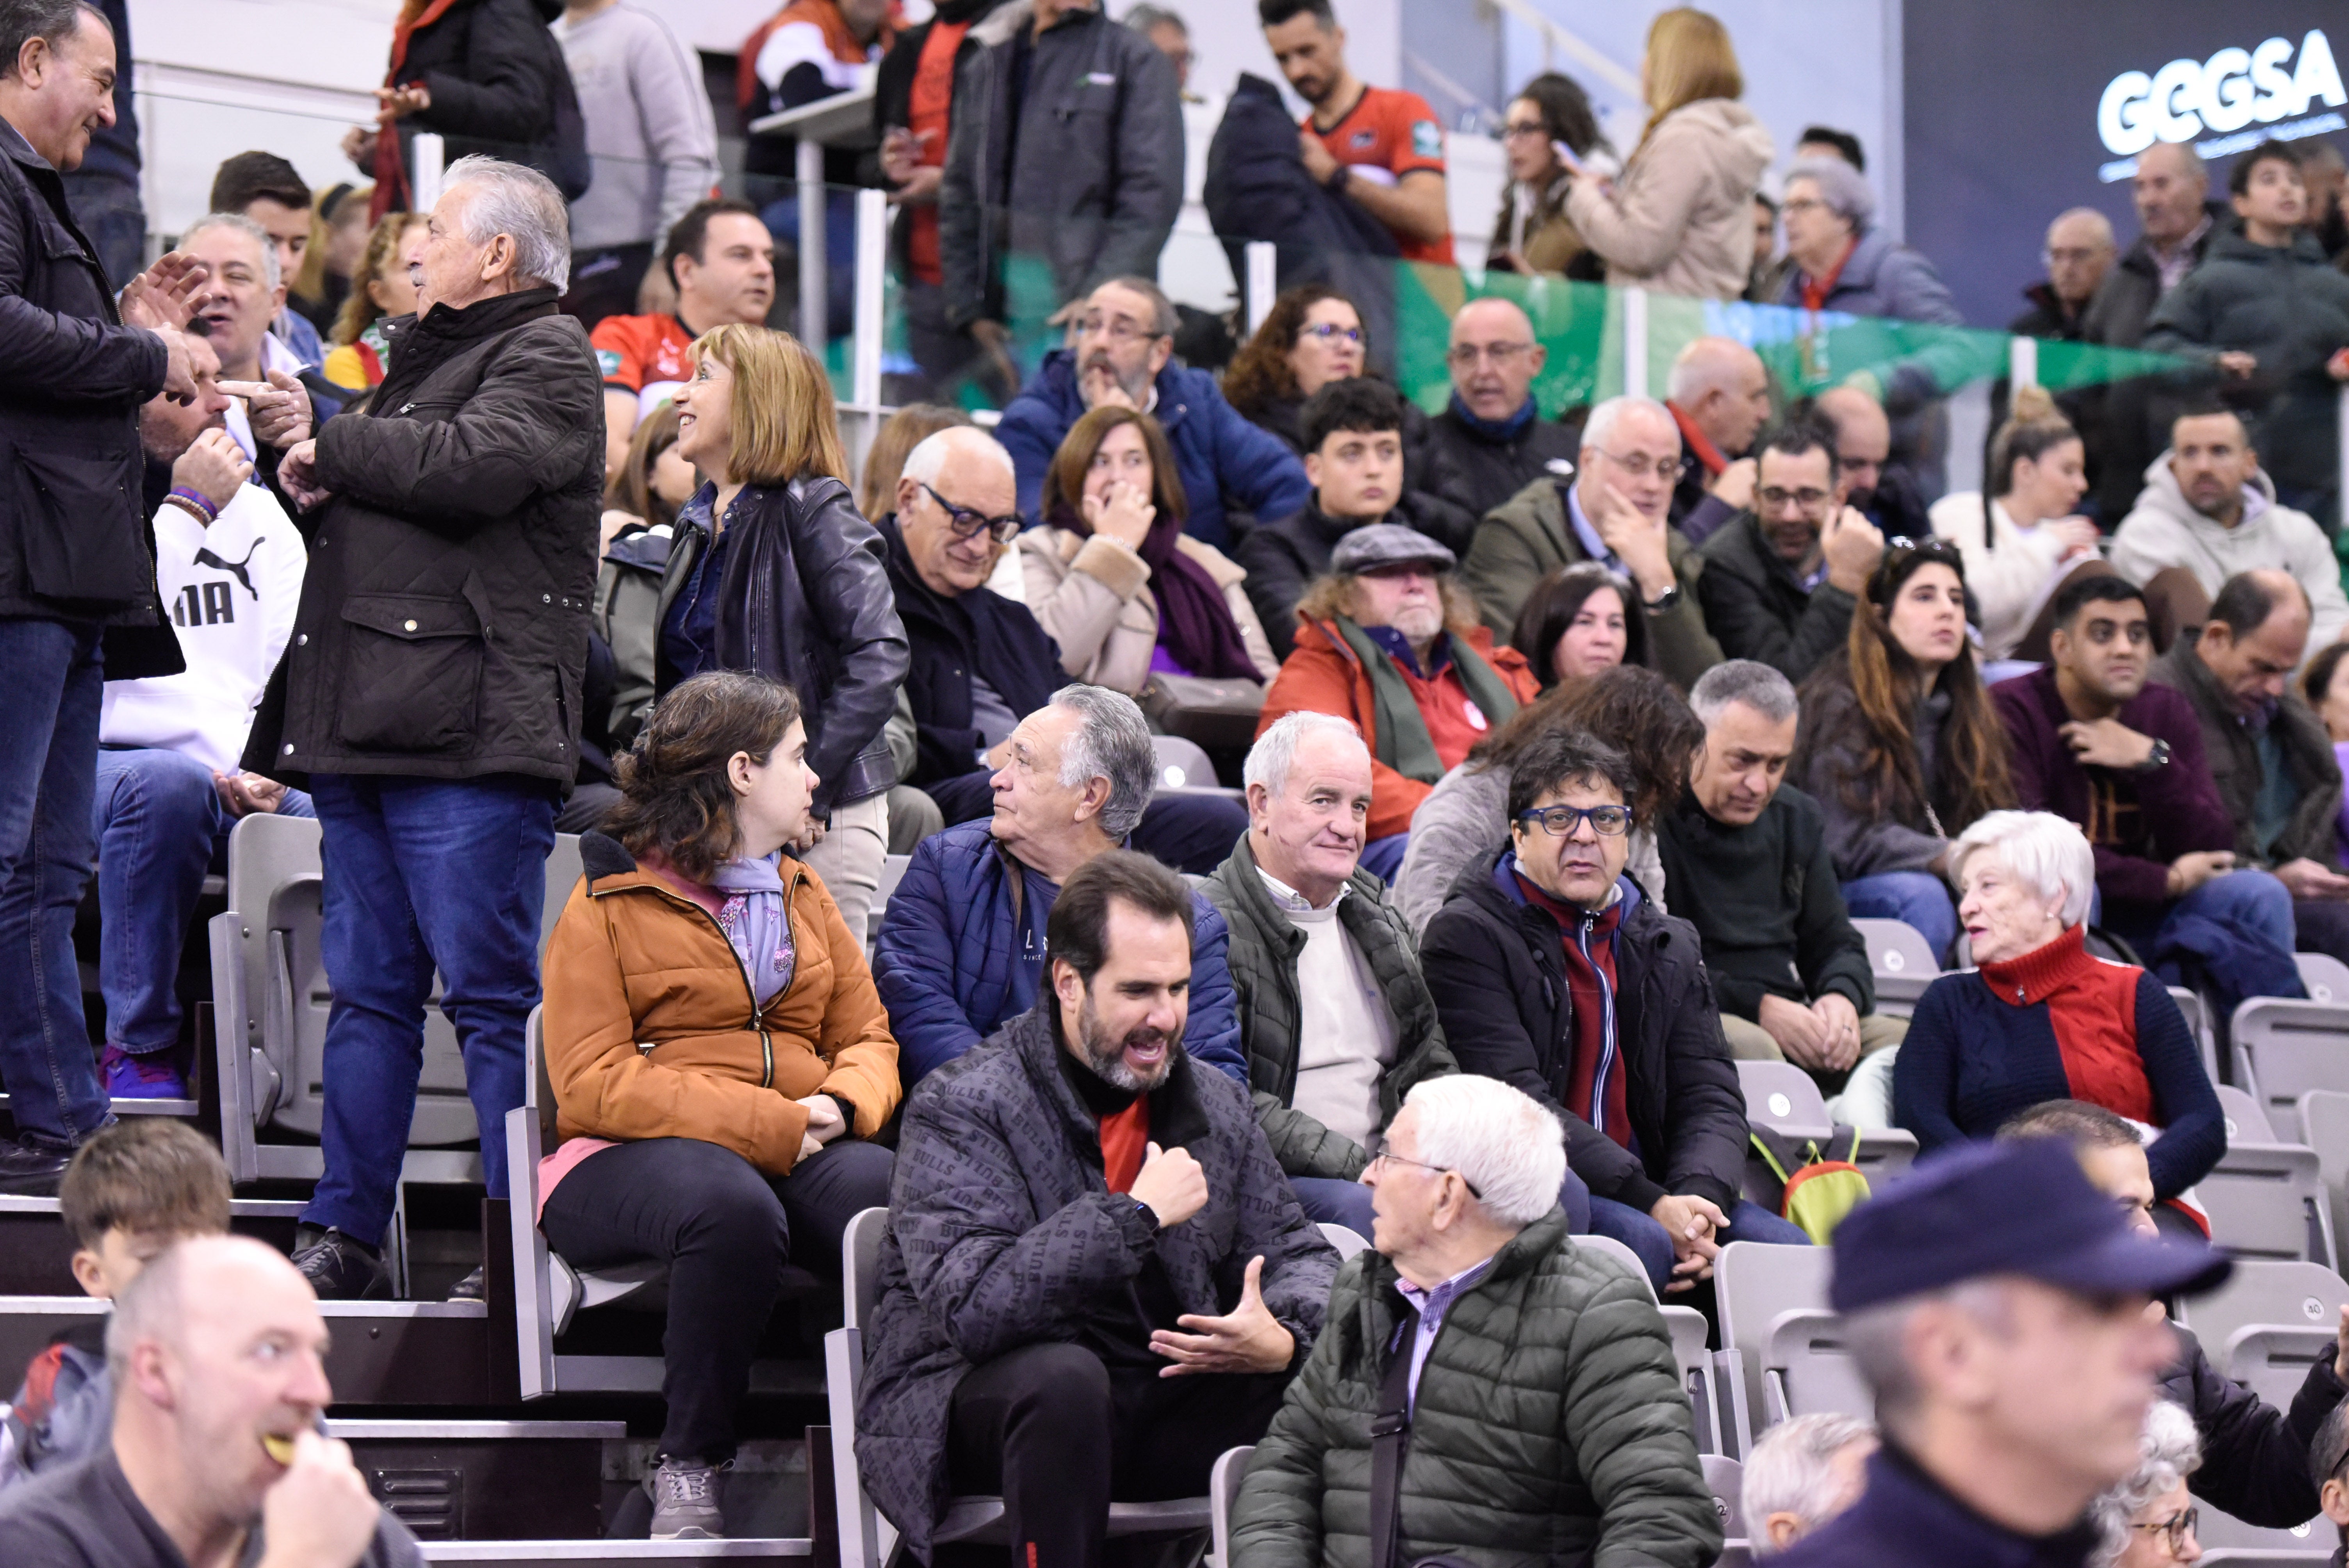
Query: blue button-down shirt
1430	1305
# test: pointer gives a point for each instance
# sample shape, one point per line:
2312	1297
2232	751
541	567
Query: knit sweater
2058	1024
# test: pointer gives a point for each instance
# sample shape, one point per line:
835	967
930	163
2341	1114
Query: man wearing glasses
1616	510
1556	974
1781	581
1492	441
1121	352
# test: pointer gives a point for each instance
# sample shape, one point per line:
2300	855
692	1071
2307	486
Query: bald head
2079	253
1863	438
1723	389
2255	638
1494	357
957	471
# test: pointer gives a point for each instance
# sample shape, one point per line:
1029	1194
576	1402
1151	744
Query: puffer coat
1550	1426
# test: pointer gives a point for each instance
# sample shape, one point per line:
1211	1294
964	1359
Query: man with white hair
1336	1021
1996	1305
1801	1474
1719	395
430	698
1789	971
1616	511
217	1351
1491	441
1529	1380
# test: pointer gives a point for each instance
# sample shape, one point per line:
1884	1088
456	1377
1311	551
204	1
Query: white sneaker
685	1500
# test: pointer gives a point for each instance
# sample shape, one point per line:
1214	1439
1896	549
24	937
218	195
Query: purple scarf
1195	622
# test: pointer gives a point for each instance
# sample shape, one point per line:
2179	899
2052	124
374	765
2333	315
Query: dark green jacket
1263	956
1549	1427
2233	752
1764	899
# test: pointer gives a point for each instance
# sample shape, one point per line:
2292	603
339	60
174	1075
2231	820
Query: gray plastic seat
1726	1479
2326	977
1223	1491
2198	1019
975	1520
1183	766
2325	1125
2269	1324
1346	1239
2266	1199
1902	961
2286	1048
2226	1540
1687	1326
1774	1315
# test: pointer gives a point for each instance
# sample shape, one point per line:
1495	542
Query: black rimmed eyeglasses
964	523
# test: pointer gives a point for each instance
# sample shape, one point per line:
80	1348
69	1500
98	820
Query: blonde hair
359	310
785	426
1690	59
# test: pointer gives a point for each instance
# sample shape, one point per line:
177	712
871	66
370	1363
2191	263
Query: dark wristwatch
2158	759
1664	601
1149	1216
1336	184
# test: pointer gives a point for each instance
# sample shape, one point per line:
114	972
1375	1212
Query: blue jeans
1748	1222
159	826
421	874
48	746
1920	897
2252	899
1327	1200
1382	858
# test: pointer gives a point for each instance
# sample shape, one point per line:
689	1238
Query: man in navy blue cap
1998	1306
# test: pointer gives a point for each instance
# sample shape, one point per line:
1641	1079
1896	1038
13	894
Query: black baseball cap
2016	1208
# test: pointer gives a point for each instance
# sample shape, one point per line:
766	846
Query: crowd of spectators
1568	747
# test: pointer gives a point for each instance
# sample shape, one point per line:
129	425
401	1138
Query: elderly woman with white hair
2042	1018
2149	1518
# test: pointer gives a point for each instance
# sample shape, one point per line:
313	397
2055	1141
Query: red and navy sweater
2058	1024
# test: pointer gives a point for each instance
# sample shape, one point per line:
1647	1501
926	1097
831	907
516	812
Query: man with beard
1095	1277
1121	351
1781	580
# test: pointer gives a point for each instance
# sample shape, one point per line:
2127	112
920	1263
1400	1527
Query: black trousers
1060	1436
2321	926
726	1229
603	282
1189	832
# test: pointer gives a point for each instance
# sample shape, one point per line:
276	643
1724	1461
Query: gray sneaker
685	1500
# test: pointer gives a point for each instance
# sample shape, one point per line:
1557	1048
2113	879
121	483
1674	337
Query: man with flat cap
1388	640
1999	1307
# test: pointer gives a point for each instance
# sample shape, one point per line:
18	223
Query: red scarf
390	172
1707	452
1596	1081
1815	290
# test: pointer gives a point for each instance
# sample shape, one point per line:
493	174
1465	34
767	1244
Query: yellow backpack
1821	1191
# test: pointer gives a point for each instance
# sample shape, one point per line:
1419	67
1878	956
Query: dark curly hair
1258	375
674	799
1632	710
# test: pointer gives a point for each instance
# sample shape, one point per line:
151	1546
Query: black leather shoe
469	1288
31	1169
340	1267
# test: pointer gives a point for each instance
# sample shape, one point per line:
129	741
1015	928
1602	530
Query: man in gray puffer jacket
1095	1279
1543	1421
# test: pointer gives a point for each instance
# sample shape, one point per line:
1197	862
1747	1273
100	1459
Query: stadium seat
2198	1019
1783	1098
2227	1540
1223	1491
976	1520
1726	1479
2269	1324
1347	1242
1687	1326
2267	1199
2325	1126
2326	977
1183	765
1903	964
1774	1315
2283	1048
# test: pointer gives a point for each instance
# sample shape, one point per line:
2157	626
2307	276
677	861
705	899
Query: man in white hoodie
2207	507
229	566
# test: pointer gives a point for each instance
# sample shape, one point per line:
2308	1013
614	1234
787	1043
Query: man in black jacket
1491	441
75	555
2254	1455
1553	973
1790	973
432	695
1095	1279
1781	579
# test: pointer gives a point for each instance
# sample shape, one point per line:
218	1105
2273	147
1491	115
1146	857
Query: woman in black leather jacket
773	570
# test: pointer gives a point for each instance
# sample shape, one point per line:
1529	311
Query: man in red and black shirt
1719	396
1381	147
722	260
1557	974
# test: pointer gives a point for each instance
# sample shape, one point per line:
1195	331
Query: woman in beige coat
1681	219
1111	574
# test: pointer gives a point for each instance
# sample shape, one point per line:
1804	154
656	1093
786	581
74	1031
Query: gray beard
1106	1057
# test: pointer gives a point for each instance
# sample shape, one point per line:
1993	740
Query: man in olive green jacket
1336	1022
1545	1422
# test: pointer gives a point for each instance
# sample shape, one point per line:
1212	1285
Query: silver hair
1275	751
2168	1451
1843	188
1791	1470
1599	431
1164	320
2050	854
1112	743
1875	1338
522	204
2102	224
1760	687
239	223
1505	1144
1144	17
2195	167
928	458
